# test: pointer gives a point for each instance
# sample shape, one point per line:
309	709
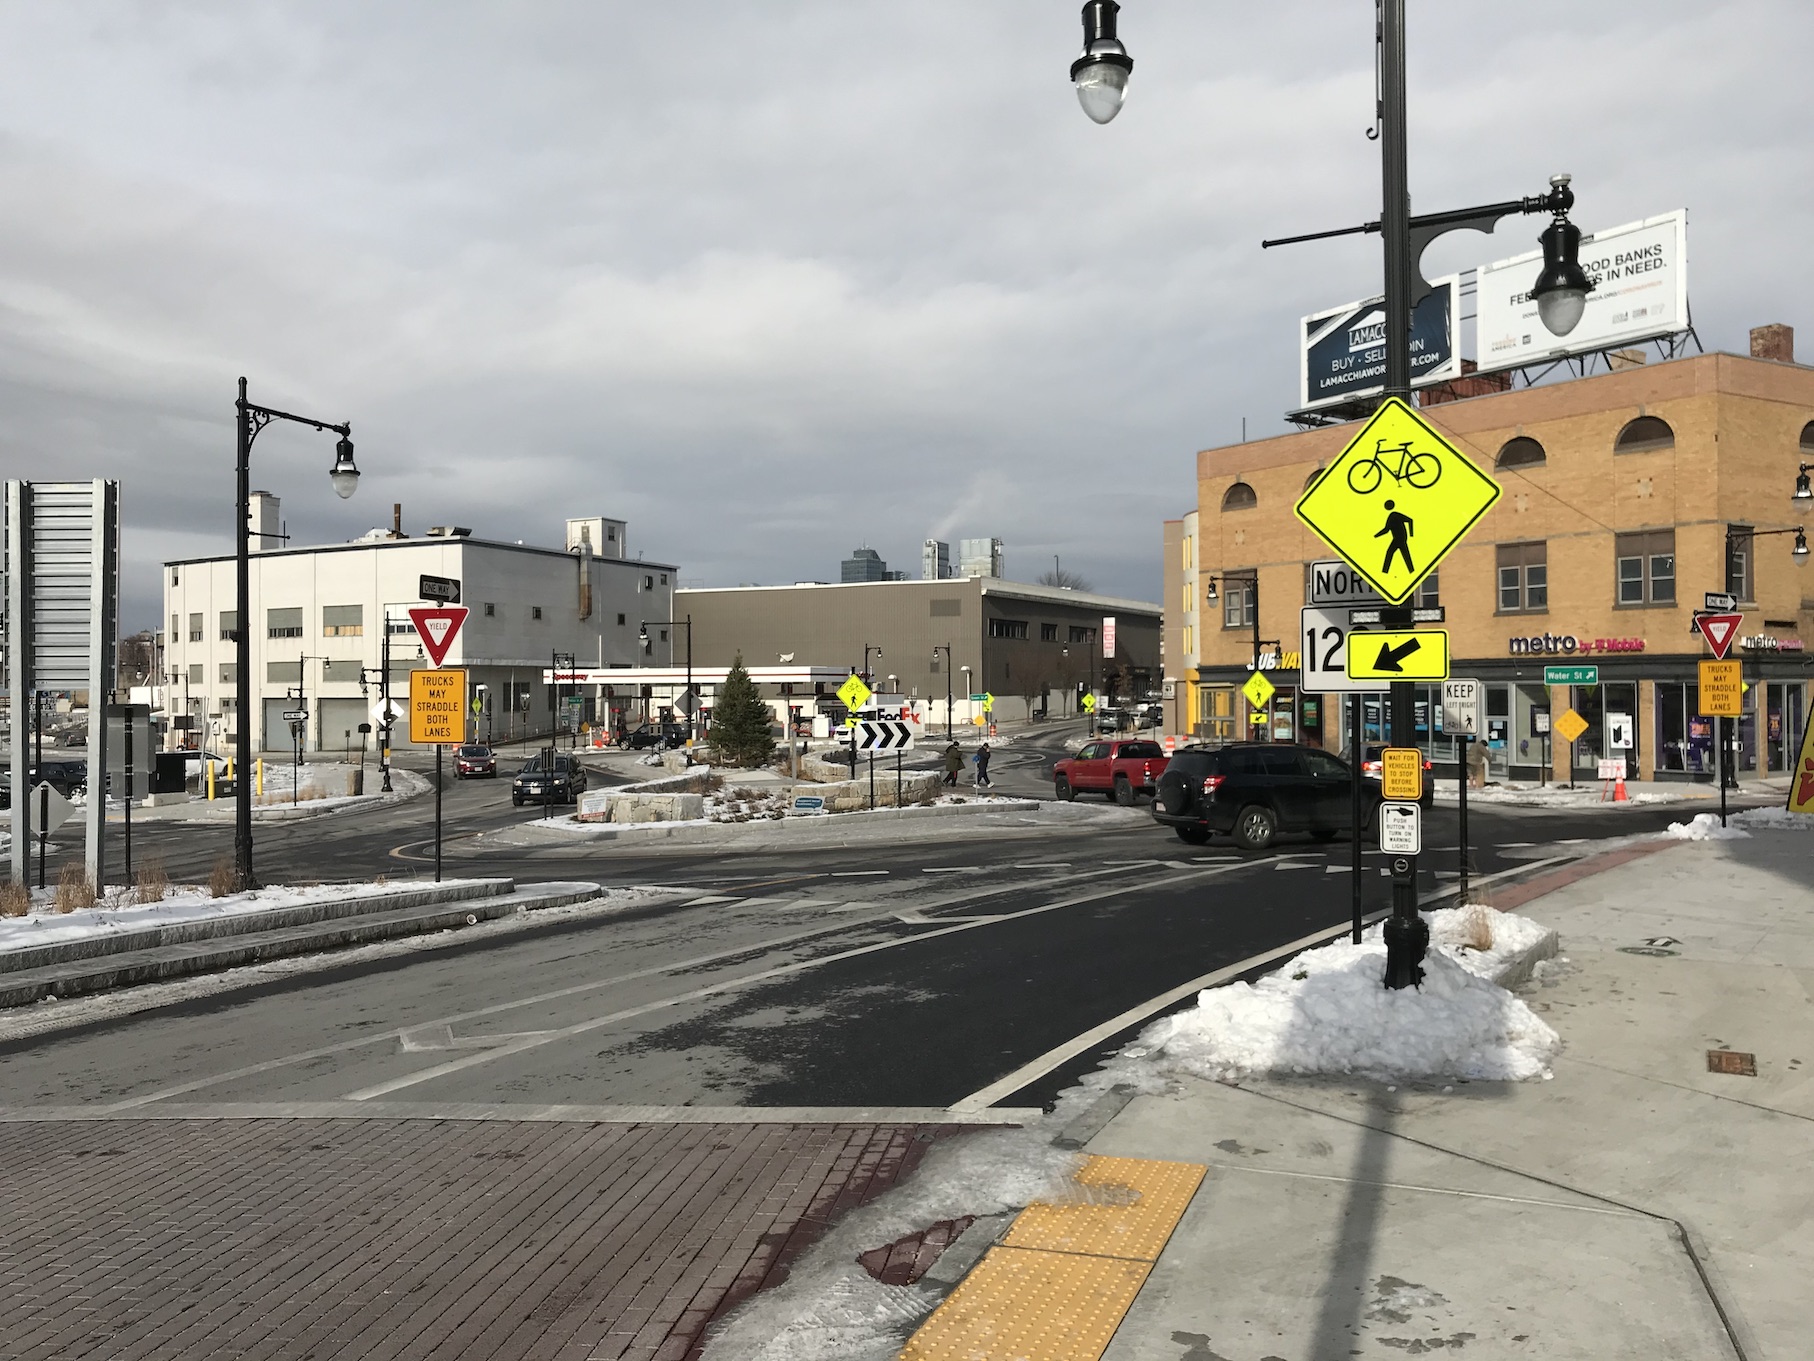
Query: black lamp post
946	649
1803	492
642	636
1560	289
344	476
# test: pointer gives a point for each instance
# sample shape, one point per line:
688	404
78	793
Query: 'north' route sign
1397	501
1395	655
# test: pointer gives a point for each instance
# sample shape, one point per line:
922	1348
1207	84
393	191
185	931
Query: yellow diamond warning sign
854	693
1258	690
1397	500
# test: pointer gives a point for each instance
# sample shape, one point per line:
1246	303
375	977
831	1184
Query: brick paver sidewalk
411	1238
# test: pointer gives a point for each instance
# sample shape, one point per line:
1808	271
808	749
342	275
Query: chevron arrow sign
884	734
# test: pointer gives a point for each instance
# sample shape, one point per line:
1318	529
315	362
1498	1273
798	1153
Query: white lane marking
708	900
1044	865
1053	1058
558	994
424	1039
949	869
527	1110
1338	869
1130	864
519	1046
855	874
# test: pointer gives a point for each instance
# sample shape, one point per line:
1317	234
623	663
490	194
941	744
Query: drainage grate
1731	1061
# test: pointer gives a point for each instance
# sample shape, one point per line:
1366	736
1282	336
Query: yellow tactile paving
1062	1280
1036	1306
1152	1196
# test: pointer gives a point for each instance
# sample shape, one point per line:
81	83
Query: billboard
1342	356
1640	273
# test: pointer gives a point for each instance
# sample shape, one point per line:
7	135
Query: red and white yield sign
437	628
1719	630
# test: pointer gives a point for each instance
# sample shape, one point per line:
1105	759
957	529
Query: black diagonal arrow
1390	657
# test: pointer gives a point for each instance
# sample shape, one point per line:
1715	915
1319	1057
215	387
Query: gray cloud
771	281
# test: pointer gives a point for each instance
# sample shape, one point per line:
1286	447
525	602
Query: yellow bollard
210	765
258	768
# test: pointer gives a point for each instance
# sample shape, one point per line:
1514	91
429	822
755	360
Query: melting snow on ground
1585	795
117	912
1774	819
1325	1012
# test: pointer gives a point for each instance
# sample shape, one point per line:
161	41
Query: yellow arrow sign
854	693
1258	690
1385	655
1397	501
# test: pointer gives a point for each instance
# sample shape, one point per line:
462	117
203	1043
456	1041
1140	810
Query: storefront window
1684	737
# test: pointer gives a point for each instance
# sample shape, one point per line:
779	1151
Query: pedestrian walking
982	767
1477	763
954	762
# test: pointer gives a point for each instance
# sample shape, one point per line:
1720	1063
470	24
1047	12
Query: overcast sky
771	281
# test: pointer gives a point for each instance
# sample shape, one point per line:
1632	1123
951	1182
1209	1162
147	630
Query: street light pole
344	475
946	649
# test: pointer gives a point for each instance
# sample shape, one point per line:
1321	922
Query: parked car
657	735
562	780
1370	767
1109	720
1122	770
1256	791
66	777
475	759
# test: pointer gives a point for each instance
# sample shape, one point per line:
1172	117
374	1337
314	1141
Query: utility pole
1406	935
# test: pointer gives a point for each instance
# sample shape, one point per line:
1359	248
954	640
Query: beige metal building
1029	646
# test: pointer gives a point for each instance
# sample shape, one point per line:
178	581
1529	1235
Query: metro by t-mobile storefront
1626	497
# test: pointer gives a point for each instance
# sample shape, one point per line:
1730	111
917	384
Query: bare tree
1065	579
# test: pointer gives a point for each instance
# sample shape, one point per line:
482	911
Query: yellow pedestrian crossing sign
854	693
1258	690
1397	500
988	701
1089	704
1407	654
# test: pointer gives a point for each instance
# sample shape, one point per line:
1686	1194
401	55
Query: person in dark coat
954	762
982	767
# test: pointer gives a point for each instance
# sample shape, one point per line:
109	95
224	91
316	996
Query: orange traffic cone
1618	789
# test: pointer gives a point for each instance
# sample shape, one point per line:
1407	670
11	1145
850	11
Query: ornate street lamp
1101	73
344	476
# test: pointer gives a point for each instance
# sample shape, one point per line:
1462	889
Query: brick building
1627	495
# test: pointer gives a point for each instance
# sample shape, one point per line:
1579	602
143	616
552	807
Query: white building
320	618
935	560
981	558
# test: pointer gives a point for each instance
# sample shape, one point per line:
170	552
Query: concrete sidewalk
1638	1205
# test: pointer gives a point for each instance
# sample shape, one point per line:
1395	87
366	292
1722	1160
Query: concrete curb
238	923
253	947
1520	967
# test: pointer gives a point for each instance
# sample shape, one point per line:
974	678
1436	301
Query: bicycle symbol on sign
1420	470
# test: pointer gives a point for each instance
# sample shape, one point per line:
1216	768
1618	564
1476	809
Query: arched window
1318	472
1807	438
1522	452
1239	497
1644	434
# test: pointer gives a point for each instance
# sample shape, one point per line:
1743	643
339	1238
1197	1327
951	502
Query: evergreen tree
740	721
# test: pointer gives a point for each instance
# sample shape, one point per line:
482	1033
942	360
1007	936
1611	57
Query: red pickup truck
1121	770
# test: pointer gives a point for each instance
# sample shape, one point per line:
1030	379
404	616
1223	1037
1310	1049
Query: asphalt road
900	975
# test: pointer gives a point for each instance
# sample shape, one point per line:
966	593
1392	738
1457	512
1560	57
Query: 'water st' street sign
1571	675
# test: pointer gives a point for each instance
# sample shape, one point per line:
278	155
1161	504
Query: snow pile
1326	1012
1773	819
1512	935
1704	827
117	913
1585	794
830	1309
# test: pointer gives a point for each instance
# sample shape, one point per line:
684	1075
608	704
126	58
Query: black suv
561	780
661	735
1253	791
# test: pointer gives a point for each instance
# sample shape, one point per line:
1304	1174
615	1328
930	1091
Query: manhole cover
1731	1061
1646	950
